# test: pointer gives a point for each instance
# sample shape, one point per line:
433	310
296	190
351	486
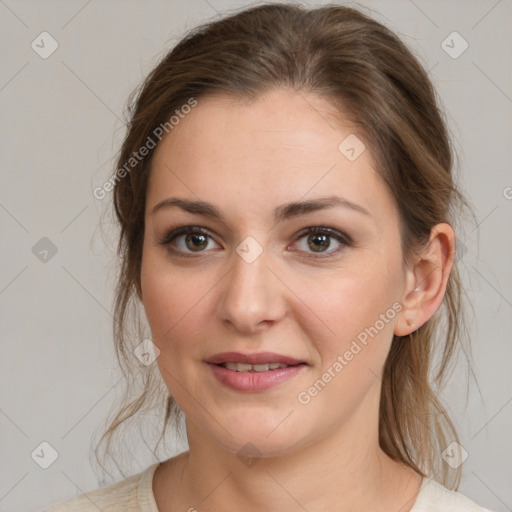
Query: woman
286	204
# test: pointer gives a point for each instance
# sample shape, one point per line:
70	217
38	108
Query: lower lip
254	381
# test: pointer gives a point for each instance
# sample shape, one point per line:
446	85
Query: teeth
243	367
260	367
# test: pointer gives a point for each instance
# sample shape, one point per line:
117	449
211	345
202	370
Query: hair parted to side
369	76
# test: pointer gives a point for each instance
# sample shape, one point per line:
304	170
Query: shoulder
131	494
434	497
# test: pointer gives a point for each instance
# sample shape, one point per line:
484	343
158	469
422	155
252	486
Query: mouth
254	372
256	361
256	368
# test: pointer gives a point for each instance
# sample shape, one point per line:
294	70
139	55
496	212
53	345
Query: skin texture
248	159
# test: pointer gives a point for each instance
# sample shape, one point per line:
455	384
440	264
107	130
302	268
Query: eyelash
342	238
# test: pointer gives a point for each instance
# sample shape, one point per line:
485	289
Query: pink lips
254	381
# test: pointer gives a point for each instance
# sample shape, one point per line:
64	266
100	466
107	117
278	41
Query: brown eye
318	243
323	241
196	242
187	240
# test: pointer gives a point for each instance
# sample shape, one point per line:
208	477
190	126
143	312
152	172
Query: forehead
283	146
280	121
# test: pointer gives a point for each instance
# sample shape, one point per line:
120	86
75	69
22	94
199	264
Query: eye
188	240
322	240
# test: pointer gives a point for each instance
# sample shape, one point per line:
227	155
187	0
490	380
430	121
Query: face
297	253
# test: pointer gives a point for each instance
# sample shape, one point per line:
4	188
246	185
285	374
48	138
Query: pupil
323	239
198	241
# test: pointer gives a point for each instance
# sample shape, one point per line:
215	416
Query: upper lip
255	358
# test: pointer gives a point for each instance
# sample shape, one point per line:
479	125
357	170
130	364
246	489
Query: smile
254	377
244	367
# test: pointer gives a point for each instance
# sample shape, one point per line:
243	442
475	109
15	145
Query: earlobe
405	320
426	281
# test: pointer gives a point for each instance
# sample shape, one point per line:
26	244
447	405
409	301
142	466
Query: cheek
160	301
173	308
354	309
175	303
359	309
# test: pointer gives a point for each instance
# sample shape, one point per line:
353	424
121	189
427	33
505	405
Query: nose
252	296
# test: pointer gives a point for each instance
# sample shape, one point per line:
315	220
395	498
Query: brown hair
366	72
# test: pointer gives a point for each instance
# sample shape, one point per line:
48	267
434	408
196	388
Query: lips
254	372
244	367
259	358
254	380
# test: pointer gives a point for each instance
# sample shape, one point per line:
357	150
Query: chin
260	439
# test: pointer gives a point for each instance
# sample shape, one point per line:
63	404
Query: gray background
62	125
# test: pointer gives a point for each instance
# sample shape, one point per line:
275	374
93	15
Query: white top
135	494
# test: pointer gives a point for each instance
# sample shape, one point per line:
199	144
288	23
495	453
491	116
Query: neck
349	471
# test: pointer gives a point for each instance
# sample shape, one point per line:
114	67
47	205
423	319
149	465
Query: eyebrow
283	212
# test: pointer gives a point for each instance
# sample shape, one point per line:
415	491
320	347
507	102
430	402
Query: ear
426	280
